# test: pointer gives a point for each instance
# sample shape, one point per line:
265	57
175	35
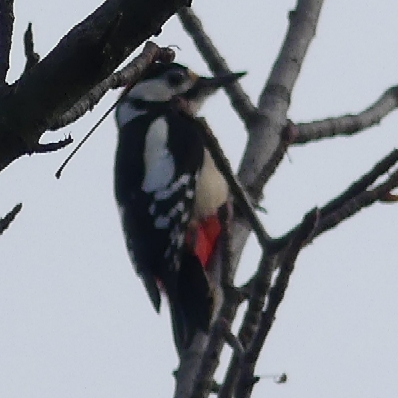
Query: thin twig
86	137
239	99
9	217
276	378
51	146
32	58
348	125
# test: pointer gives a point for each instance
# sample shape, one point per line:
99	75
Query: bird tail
191	305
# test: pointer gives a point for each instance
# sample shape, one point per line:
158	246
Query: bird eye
175	78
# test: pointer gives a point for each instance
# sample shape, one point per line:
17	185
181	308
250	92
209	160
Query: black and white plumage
165	182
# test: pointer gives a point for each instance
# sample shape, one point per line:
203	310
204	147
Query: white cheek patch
158	90
158	161
151	90
125	113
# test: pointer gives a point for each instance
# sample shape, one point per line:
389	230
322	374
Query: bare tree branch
355	204
209	360
239	99
32	58
265	135
247	380
359	186
9	217
127	76
348	203
348	125
264	139
233	342
274	100
354	198
288	135
81	60
259	289
6	28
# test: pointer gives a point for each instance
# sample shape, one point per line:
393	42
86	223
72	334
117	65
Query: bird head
163	82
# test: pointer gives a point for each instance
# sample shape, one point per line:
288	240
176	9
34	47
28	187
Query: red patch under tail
203	238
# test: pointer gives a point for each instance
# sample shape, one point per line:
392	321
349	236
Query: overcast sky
75	319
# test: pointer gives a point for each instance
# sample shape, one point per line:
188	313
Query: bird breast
211	189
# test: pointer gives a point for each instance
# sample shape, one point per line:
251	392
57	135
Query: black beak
219	81
205	86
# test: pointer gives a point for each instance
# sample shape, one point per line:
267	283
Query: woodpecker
169	191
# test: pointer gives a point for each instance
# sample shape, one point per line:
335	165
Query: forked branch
359	195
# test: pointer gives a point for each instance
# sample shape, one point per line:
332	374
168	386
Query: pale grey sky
75	319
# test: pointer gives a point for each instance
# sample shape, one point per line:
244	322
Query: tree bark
82	59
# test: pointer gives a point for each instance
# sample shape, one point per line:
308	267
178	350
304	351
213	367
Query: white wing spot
178	208
180	240
152	208
176	263
185	217
173	235
166	193
158	161
162	222
189	193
